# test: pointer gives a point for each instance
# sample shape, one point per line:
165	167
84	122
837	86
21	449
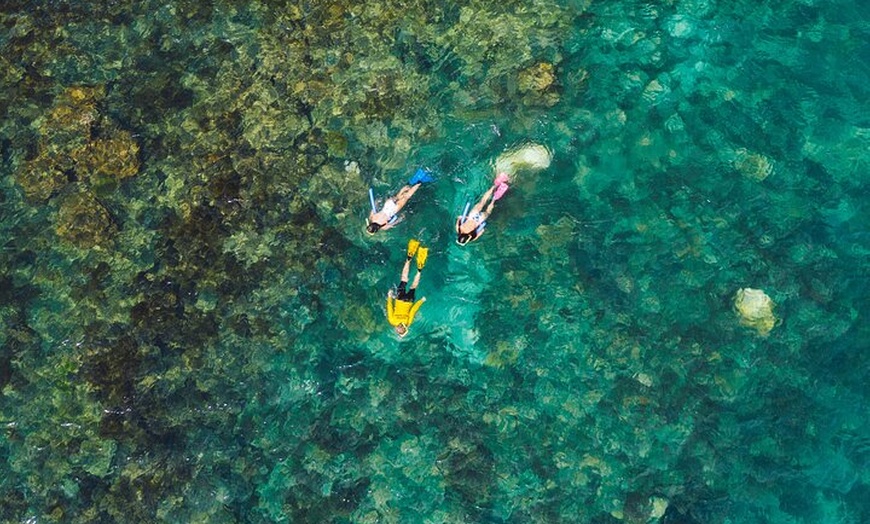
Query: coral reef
192	317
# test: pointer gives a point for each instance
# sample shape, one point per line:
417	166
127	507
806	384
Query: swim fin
421	177
502	178
413	244
500	191
422	253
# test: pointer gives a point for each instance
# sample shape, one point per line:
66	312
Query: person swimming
471	225
401	307
387	217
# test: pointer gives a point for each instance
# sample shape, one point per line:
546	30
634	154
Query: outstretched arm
414	309
390	304
393	223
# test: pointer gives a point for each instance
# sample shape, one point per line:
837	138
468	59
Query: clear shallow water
192	317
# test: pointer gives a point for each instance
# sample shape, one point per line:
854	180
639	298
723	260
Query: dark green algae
187	328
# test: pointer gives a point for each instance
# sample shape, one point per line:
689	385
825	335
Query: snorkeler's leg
416	281
401	194
405	194
406	269
483	200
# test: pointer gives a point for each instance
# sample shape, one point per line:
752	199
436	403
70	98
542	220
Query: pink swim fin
502	178
500	191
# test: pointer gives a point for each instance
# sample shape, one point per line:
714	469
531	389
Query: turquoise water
192	318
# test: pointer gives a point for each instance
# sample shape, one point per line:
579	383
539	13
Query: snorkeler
387	217
472	224
401	307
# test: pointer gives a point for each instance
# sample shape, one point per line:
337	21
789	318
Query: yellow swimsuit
401	311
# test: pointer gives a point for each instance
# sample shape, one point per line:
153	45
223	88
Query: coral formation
538	84
755	309
753	165
71	116
83	221
42	177
529	157
538	77
68	152
107	159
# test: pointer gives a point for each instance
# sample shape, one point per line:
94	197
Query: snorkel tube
372	200
374	211
464	212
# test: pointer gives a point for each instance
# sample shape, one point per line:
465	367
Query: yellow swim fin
422	253
413	244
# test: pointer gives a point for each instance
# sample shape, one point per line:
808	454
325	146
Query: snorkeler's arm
392	223
390	305
414	309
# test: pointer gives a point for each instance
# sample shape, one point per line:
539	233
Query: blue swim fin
421	177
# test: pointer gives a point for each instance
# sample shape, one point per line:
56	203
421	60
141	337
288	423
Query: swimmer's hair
373	227
463	238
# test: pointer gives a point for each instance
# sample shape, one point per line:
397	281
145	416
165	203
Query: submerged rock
755	309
